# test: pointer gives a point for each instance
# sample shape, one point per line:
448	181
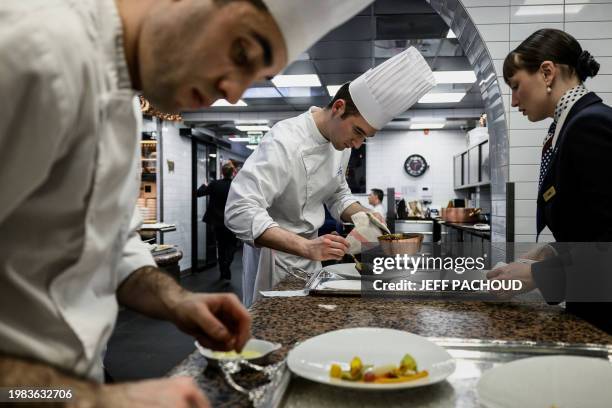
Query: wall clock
415	165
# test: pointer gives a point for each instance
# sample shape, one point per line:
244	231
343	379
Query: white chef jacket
69	179
379	209
285	183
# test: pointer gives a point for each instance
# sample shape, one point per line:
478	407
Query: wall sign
415	165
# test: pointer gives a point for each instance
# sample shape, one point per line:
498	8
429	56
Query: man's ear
550	72
338	107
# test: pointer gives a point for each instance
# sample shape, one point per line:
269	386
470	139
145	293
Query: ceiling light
252	147
332	89
263	92
424	125
442	97
224	102
542	10
212	155
450	34
239	139
254	128
454	77
287	81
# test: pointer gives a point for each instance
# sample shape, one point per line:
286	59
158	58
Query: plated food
376	347
232	355
407	370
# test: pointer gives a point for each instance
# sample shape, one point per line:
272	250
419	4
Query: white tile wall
598	47
590	29
498	49
489	15
525	190
525	208
524	172
177	190
600	83
524	225
536	14
495	32
587	12
388	151
525	155
518	32
518	121
526	137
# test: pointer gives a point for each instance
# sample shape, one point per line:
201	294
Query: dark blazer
217	190
575	202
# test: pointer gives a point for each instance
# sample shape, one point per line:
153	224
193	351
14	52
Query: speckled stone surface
289	320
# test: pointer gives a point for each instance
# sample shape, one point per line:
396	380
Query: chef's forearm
351	210
283	240
19	373
151	292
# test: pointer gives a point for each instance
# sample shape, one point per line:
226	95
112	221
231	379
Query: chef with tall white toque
275	204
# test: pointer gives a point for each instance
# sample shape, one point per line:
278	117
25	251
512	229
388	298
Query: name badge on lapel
550	193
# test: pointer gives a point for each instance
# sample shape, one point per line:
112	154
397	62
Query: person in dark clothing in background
218	190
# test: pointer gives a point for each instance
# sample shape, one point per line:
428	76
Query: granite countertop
289	320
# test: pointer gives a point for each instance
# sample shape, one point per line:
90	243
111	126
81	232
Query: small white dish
261	346
342	284
548	381
313	358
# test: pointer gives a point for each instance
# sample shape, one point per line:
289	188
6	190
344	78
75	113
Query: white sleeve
260	181
135	253
340	200
40	100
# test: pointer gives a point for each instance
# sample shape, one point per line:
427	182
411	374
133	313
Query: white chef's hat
304	22
391	88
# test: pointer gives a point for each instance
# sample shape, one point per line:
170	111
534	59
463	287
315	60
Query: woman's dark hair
549	44
349	106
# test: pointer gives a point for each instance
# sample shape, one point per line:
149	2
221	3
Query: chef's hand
217	321
325	247
513	271
179	392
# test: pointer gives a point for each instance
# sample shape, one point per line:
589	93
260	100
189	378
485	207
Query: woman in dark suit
546	74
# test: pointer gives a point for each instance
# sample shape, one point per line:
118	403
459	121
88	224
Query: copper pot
461	215
405	243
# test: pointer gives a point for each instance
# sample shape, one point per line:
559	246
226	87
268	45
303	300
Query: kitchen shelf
481	184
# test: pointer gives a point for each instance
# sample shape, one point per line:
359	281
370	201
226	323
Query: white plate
313	358
546	381
346	270
262	346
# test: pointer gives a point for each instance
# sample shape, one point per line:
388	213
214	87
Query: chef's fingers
336	253
239	321
213	345
338	238
213	327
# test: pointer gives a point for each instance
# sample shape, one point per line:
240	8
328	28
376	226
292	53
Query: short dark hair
378	193
549	44
259	4
227	170
349	106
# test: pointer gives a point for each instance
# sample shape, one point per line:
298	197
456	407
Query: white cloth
379	209
284	183
303	23
68	180
385	91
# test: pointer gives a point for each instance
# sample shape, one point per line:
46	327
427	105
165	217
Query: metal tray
472	356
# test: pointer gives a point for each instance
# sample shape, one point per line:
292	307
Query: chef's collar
110	31
317	136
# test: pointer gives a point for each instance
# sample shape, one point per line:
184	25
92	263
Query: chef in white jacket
69	154
275	203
